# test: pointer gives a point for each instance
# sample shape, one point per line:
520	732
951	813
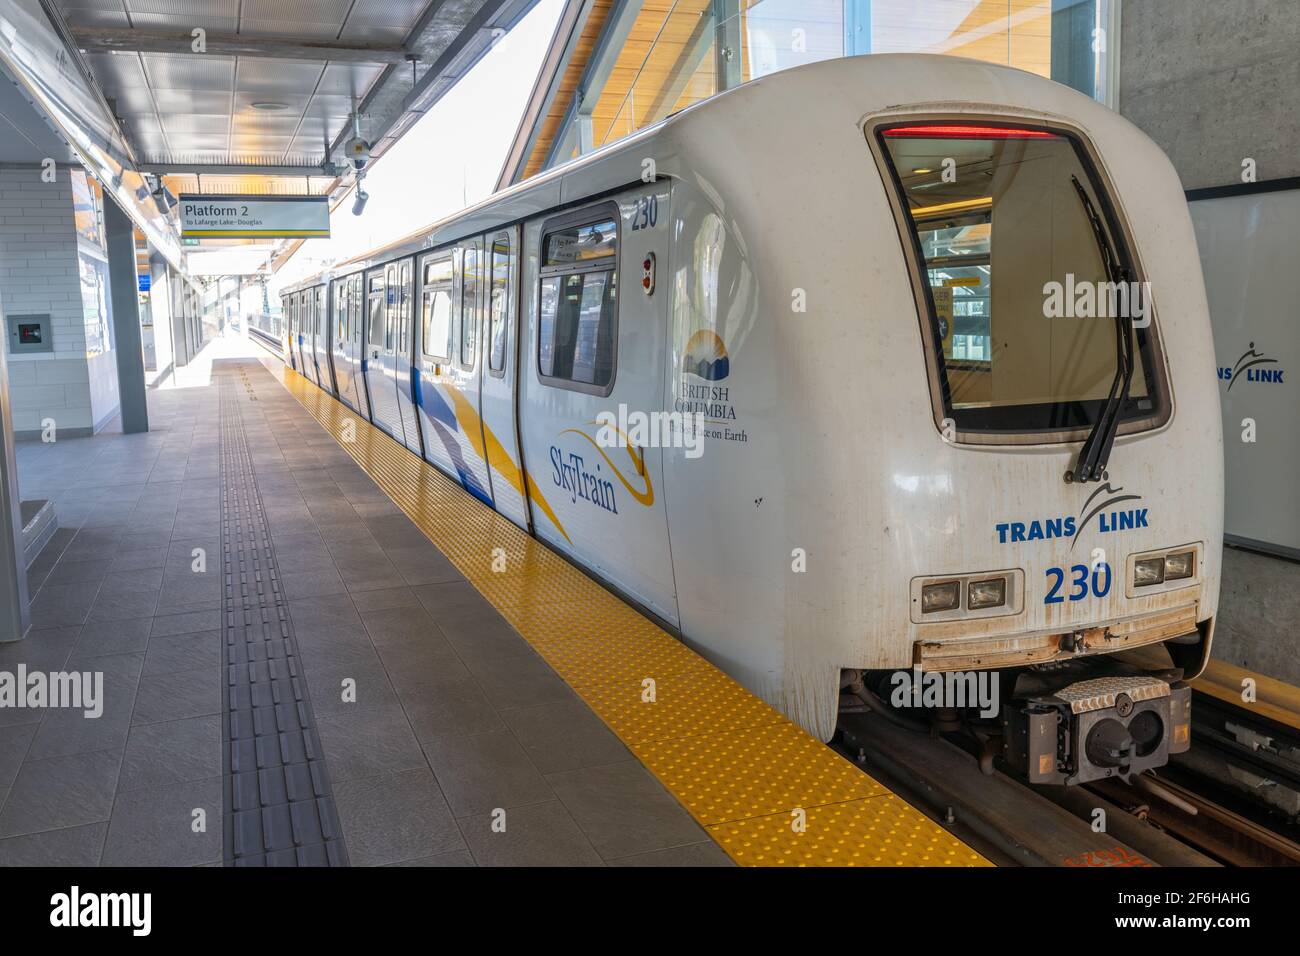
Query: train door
380	359
435	408
324	370
500	347
356	342
598	350
305	363
339	340
290	330
398	278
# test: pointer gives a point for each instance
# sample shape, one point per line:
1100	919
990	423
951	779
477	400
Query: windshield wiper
1095	452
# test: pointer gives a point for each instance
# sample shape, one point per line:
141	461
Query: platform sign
254	217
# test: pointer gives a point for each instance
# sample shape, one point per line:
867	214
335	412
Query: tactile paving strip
766	791
278	809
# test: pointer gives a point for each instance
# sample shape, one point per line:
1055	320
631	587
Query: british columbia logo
1109	518
1248	367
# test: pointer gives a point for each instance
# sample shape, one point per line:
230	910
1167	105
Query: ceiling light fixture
270	106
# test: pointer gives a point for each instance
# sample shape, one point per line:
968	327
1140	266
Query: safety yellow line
766	791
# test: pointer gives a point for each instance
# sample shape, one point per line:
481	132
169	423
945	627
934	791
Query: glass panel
576	341
581	243
500	302
996	238
471	280
436	308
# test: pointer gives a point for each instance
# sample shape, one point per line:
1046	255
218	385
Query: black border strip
1243	189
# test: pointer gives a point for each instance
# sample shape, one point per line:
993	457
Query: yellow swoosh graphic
474	427
646	497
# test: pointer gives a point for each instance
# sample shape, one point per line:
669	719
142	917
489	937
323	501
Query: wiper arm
1095	453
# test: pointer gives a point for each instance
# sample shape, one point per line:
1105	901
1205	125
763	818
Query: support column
126	318
14	613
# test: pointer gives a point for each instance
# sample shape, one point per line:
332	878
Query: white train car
824	373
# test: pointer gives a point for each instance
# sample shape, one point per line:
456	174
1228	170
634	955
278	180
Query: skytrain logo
1248	367
1108	518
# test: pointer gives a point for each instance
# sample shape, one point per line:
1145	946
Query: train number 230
1084	581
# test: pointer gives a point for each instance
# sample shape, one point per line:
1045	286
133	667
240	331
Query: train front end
1065	538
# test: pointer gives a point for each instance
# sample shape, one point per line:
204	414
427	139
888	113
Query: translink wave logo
1247	367
1109	518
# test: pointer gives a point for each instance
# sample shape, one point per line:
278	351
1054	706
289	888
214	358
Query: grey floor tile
193	693
395	817
623	809
385	597
60	604
180	588
44	648
413	666
165	625
368	576
693	854
399	625
14	743
371	686
541	834
155	827
305	585
328	609
69	730
565	735
115	604
174	751
183	652
134	579
61	792
366	743
486	642
112	637
482	772
520	681
454	707
71	846
333	646
453	858
74	572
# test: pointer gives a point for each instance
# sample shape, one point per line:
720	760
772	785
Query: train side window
471	279
354	310
436	307
578	321
503	267
375	334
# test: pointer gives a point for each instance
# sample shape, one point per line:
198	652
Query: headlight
940	597
1148	571
1181	564
991	592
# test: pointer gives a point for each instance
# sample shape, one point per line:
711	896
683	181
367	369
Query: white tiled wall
38	274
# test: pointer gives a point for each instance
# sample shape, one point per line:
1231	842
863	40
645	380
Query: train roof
619	164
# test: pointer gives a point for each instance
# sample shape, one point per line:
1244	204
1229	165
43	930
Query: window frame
1147	341
465	245
447	253
512	268
586	216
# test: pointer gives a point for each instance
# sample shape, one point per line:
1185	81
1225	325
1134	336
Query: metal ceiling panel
181	123
387	13
209	22
294	103
305	29
112	69
106	14
349	79
254	123
182	11
277	76
316	11
176	102
131	99
369	33
179	72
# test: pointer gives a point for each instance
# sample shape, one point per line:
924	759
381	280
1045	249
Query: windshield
1022	305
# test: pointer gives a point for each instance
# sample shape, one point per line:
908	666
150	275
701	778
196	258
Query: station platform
347	681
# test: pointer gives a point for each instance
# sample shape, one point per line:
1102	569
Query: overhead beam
122	40
237	169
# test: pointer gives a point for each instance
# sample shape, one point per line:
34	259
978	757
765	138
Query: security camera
357	151
359	204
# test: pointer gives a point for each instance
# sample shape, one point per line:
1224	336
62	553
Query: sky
448	160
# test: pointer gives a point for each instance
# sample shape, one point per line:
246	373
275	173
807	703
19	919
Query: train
884	380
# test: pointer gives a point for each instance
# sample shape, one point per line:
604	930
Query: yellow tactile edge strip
766	791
